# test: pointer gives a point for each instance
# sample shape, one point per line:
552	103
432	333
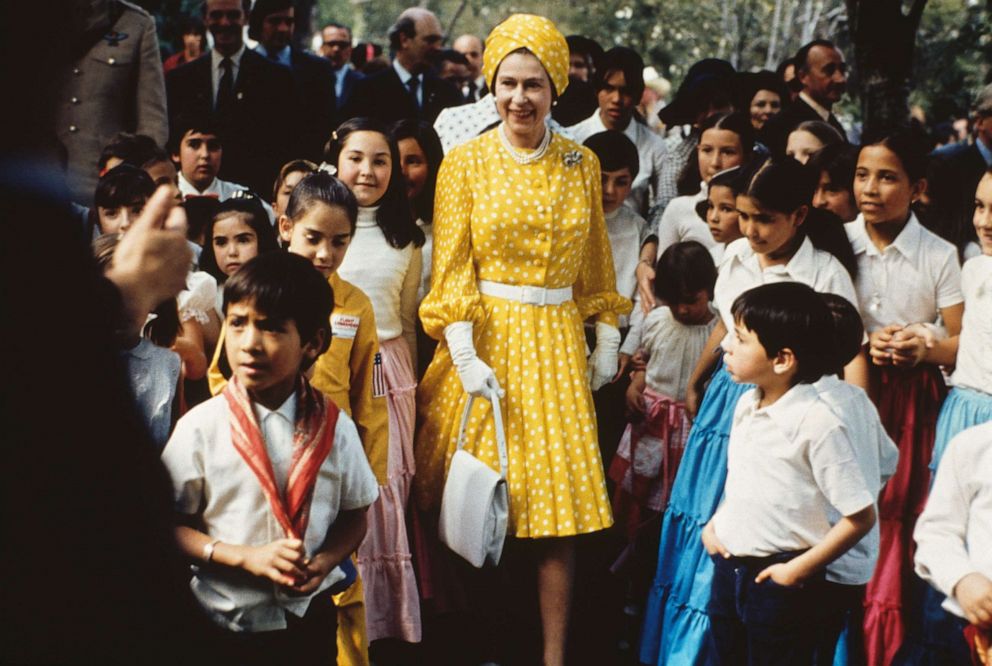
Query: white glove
478	379
605	359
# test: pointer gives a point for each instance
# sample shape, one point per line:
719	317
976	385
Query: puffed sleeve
595	288
454	294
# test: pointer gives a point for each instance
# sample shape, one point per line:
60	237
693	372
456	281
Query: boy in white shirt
198	149
271	481
877	456
790	463
954	536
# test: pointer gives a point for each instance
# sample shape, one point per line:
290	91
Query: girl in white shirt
784	241
384	261
670	339
969	403
906	275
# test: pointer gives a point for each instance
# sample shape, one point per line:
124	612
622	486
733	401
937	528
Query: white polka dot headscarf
534	33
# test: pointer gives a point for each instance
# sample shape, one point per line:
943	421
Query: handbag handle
500	434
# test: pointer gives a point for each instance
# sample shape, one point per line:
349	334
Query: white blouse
681	222
625	229
741	271
389	276
954	533
974	363
673	349
909	281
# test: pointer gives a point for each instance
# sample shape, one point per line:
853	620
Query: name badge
344	326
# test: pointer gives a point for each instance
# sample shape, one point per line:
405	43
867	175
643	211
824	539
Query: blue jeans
763	623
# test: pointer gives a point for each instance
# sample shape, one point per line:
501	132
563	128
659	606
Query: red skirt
908	402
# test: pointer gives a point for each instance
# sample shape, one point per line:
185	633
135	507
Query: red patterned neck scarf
313	435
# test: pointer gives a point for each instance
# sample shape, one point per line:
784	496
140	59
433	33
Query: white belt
525	294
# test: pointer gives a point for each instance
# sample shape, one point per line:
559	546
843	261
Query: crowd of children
796	431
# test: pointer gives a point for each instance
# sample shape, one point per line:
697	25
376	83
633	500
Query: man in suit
409	88
252	100
337	49
471	47
271	25
113	84
822	72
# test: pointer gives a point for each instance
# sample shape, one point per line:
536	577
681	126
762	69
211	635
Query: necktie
225	91
412	83
472	90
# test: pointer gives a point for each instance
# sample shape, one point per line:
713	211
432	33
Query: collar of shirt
187	189
821	110
787	412
283	57
801	267
986	151
907	243
405	77
287	410
216	58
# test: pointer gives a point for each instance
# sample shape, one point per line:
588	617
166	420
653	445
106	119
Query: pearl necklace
525	158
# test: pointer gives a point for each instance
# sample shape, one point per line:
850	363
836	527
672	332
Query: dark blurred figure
579	99
453	67
90	571
111	82
954	174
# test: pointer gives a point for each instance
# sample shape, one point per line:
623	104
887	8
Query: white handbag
475	506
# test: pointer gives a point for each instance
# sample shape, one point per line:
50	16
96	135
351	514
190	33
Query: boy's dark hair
683	270
249	206
790	315
423	133
135	149
122	186
393	216
185	123
321	187
261	10
848	332
629	63
286	287
587	47
615	151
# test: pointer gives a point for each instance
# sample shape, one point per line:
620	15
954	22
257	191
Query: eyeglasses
341	44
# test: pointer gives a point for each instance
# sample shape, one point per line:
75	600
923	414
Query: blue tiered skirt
675	623
941	640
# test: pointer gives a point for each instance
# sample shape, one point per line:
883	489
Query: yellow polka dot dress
539	224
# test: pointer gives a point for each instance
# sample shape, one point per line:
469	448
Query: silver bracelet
208	550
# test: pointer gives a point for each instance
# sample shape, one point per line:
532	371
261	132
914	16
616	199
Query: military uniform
115	86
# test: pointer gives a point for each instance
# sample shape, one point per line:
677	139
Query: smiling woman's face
523	98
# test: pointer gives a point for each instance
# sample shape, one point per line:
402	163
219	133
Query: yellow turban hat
534	33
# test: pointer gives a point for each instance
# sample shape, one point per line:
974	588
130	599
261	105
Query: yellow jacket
345	372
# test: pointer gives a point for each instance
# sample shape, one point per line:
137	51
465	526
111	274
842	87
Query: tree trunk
771	56
884	38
